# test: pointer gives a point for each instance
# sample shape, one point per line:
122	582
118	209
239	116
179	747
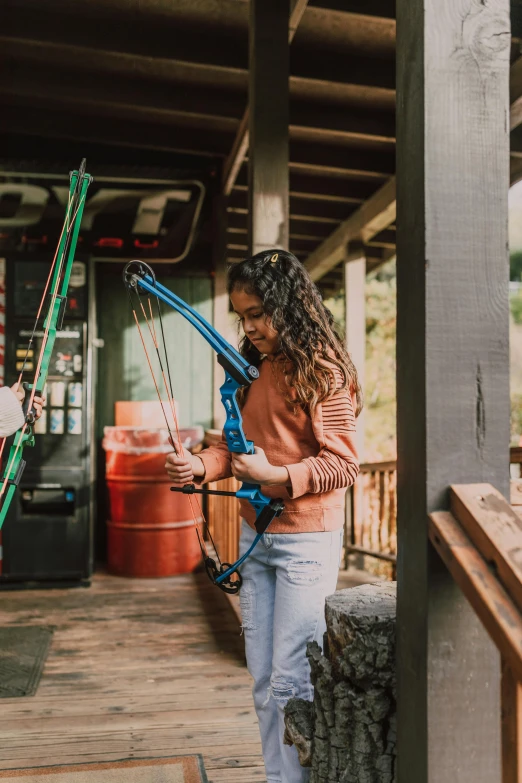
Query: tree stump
347	735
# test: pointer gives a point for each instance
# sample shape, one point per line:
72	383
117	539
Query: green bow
56	290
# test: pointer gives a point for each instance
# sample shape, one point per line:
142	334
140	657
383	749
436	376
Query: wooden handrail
377	467
480	541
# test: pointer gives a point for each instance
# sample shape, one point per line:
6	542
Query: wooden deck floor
137	669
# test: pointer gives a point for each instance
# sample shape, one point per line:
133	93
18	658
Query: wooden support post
355	320
355	325
511	726
268	125
221	320
452	366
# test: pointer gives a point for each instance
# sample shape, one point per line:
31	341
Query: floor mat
175	769
23	650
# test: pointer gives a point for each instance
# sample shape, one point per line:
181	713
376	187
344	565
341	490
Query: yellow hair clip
274	258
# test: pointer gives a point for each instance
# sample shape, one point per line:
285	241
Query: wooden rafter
373	216
240	146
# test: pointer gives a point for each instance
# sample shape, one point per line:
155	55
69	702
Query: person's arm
336	465
216	462
11	413
211	464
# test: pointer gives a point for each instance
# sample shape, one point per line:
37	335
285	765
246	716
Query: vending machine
47	535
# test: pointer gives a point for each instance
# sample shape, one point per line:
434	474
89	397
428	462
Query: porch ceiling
158	76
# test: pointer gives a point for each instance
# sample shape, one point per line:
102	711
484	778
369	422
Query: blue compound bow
140	279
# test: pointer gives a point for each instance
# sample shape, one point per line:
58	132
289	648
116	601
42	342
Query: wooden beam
453	406
494	607
221	320
494	528
373	216
221	47
333	122
355	325
516	494
164	48
119	132
320	188
301	227
343	160
239	149
171	104
303	209
385	9
268	125
55	86
511	712
386	238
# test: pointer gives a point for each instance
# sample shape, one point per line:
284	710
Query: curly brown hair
307	336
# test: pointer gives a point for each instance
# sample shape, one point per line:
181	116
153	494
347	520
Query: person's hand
38	404
18	391
183	467
256	469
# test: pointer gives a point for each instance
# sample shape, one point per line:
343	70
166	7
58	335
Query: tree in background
379	387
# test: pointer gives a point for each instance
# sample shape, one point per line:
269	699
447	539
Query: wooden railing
479	540
224	521
371	513
371	510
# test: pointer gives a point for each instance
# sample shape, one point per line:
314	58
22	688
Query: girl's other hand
19	392
255	468
183	467
38	403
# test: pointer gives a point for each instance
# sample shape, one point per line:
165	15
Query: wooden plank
137	668
496	610
511	711
452	367
268	125
516	493
515	455
494	528
373	216
317	188
239	149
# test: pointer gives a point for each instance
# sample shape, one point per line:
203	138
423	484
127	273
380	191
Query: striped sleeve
11	414
217	462
336	465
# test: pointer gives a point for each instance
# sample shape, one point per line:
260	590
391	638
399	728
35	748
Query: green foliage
516	419
379	386
379	391
515	265
516	307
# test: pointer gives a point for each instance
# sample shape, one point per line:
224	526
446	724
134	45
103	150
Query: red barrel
151	530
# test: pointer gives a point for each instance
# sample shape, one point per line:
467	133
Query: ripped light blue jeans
285	582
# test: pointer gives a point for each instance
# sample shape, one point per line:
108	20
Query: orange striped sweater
318	452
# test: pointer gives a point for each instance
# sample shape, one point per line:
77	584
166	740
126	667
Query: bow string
55	291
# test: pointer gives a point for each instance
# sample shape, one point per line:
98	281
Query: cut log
348	735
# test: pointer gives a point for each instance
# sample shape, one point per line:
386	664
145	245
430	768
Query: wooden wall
123	373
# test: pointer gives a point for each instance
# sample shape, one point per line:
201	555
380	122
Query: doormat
23	651
175	769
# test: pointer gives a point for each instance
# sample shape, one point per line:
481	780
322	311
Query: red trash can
151	530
